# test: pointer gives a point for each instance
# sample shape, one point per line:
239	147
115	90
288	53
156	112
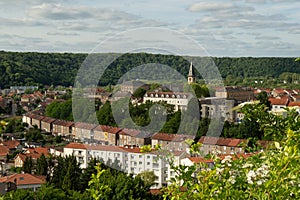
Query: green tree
28	165
49	192
264	99
66	174
111	184
42	165
19	194
139	93
148	177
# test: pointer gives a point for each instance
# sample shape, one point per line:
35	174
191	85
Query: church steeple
191	76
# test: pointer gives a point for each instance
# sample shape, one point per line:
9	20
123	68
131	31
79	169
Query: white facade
129	160
179	100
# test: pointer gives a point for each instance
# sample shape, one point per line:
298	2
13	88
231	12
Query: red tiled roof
48	120
290	104
63	123
23	179
85	125
11	144
231	142
163	136
3	150
235	142
279	101
108	129
37	117
39	150
208	140
200	160
76	146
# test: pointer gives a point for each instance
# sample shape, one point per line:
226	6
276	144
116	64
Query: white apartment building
180	100
127	159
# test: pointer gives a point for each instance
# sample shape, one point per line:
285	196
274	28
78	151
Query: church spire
191	76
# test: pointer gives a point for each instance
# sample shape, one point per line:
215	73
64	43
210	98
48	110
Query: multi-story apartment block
180	100
128	159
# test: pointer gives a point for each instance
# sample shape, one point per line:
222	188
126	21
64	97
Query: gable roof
3	150
74	145
11	144
279	101
83	125
23	179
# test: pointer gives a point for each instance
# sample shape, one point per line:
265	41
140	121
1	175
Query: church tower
191	76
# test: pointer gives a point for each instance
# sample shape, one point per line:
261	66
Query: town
125	149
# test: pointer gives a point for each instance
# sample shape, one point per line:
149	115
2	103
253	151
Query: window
148	163
140	156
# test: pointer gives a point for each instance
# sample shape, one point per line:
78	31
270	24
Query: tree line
34	68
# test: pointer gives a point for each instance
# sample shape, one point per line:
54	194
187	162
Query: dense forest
61	68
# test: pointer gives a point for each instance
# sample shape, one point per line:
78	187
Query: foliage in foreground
273	174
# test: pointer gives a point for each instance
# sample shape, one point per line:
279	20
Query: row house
83	131
180	100
133	137
106	134
127	159
27	118
47	124
172	142
37	120
62	127
221	145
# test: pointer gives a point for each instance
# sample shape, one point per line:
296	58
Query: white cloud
224	7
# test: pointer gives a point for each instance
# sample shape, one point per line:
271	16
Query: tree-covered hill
61	68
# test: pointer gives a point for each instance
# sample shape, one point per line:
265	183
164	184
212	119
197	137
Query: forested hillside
61	68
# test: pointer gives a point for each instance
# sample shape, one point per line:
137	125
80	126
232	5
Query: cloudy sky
223	28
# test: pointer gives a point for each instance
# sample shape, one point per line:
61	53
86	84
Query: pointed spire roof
191	71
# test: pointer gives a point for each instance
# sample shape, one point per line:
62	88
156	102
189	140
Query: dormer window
178	96
151	95
162	96
156	95
167	96
173	96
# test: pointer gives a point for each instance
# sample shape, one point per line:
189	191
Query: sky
231	28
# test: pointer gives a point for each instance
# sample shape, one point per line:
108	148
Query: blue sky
223	28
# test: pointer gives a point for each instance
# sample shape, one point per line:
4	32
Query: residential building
83	131
180	100
62	127
106	134
34	153
239	94
127	159
216	145
172	142
212	107
47	124
21	181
